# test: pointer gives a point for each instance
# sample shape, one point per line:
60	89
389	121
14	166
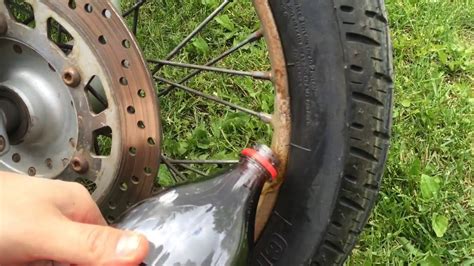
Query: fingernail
128	245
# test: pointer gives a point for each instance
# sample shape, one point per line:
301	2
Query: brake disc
83	99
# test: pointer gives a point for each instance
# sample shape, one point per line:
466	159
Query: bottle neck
252	174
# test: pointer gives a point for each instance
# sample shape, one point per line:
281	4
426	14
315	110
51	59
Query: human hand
50	220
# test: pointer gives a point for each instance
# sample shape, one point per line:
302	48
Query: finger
74	201
78	205
47	263
71	198
42	263
86	244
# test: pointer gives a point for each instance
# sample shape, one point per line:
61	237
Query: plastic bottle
205	223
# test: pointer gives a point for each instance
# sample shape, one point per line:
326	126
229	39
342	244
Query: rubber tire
339	62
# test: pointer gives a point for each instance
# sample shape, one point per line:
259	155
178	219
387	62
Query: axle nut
79	165
71	77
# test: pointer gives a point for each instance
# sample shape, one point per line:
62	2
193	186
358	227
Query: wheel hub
41	121
15	113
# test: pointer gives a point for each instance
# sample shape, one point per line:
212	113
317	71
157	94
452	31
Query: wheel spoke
177	175
267	118
254	74
251	38
59	29
199	172
136	13
98	96
188	38
186	162
173	175
135	7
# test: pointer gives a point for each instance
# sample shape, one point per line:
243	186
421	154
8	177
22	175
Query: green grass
195	128
425	212
432	147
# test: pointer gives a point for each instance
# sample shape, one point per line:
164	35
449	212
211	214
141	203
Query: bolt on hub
71	77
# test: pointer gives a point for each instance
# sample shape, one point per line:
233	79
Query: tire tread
364	33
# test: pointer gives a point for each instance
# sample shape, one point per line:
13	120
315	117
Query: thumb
85	244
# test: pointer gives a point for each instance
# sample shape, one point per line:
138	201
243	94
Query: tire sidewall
319	142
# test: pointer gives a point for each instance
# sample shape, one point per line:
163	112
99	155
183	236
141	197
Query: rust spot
281	118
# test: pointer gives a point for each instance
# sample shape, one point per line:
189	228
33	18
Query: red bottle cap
266	163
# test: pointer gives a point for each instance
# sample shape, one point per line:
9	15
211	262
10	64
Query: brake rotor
87	111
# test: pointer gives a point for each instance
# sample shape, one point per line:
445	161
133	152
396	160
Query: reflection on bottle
205	223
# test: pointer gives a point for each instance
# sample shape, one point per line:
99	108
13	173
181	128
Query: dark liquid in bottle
206	223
